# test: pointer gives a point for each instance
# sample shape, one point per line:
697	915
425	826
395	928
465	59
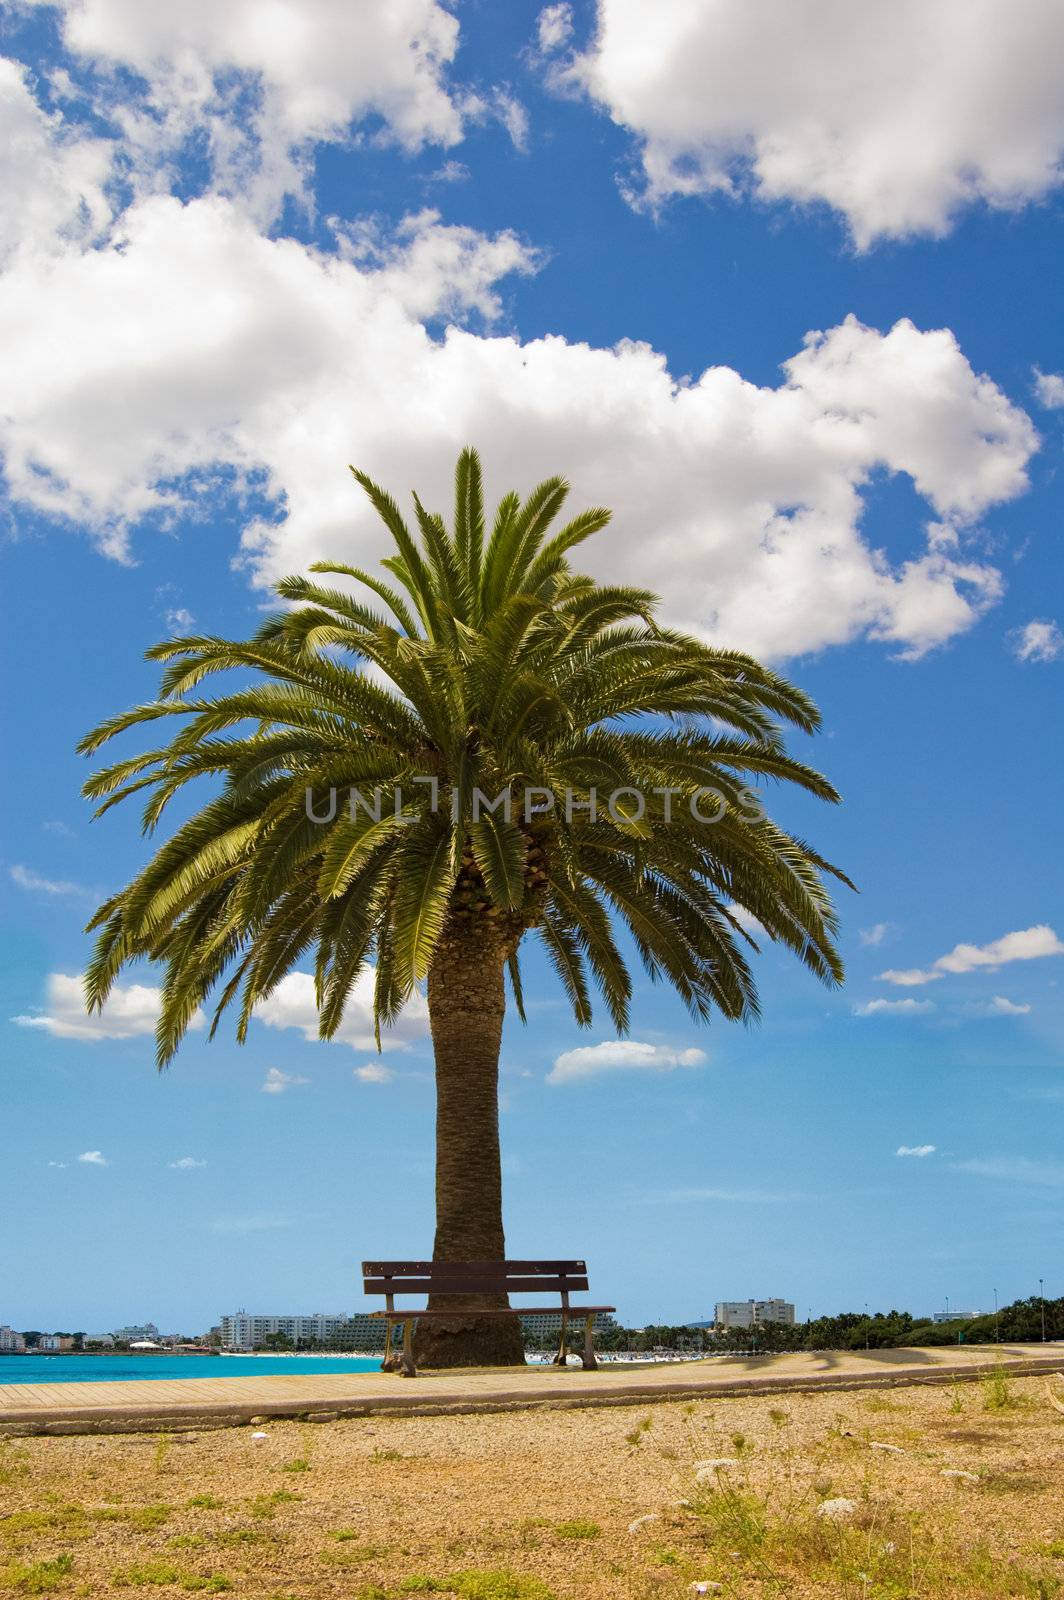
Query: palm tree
421	769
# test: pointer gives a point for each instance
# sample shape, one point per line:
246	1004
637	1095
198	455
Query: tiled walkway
220	1401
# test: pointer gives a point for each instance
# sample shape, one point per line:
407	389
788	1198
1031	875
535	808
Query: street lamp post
997	1320
1042	1307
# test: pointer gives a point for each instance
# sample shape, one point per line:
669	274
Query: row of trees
1021	1322
33	1337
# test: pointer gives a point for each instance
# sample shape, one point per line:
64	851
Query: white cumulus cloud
278	1082
893	1008
292	1005
1038	641
875	935
894	116
374	1072
1027	944
554	27
1049	389
93	1158
194	343
917	1150
186	1164
620	1055
999	1006
131	1010
52	178
257	83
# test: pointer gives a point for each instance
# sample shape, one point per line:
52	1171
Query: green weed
997	1391
142	1574
497	1586
264	1505
636	1435
143	1518
238	1536
41	1576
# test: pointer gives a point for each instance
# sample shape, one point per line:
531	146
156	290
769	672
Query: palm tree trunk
466	1005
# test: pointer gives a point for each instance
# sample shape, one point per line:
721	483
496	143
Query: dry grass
537	1505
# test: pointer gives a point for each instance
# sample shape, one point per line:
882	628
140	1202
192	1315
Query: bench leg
587	1355
560	1358
391	1357
406	1363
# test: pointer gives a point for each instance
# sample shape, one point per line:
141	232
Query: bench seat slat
494	1311
420	1269
457	1285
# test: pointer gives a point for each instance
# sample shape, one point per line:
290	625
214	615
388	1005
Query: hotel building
752	1313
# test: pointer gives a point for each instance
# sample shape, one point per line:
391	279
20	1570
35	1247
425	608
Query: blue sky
244	250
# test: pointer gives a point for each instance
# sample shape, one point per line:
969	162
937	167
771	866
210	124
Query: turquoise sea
121	1368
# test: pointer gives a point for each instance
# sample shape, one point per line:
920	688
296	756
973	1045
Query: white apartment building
752	1313
139	1330
11	1343
244	1330
548	1324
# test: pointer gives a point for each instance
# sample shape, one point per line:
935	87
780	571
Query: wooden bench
391	1278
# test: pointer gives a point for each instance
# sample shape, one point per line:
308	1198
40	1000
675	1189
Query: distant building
144	1330
956	1316
11	1343
106	1340
243	1330
752	1313
548	1324
53	1343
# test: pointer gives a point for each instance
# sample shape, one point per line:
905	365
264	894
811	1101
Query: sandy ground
533	1505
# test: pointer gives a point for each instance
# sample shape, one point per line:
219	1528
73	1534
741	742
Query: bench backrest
474	1277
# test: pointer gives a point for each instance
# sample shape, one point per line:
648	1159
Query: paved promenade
189	1403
